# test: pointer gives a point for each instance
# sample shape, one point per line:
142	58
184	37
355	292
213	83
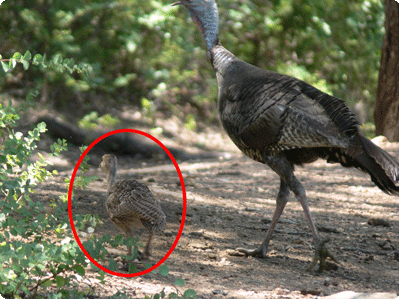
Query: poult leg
128	233
281	200
129	250
147	248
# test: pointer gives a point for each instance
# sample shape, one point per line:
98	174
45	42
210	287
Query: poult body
130	203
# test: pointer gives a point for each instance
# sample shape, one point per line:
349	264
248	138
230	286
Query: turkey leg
281	201
284	169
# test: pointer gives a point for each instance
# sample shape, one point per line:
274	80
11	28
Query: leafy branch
57	63
56	276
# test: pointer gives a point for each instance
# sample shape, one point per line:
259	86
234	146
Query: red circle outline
71	184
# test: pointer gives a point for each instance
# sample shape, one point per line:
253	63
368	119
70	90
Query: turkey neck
221	58
205	14
111	175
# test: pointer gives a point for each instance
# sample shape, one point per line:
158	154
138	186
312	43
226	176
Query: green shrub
37	249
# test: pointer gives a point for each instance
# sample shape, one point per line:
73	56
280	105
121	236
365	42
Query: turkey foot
260	252
321	253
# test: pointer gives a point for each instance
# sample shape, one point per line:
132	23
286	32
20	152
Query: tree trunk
387	102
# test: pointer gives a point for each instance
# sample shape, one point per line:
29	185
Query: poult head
109	162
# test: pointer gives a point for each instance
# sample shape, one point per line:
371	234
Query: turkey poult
282	121
130	203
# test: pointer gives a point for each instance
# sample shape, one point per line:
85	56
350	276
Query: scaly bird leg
281	200
128	232
289	182
147	248
321	253
129	250
281	166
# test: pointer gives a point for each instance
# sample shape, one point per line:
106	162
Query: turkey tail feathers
382	167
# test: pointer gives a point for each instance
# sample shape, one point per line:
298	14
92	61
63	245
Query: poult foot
143	255
139	256
321	253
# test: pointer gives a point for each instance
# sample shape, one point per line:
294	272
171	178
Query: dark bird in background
281	121
131	203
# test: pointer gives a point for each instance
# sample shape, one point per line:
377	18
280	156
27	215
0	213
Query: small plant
190	122
30	258
37	250
92	120
179	282
149	109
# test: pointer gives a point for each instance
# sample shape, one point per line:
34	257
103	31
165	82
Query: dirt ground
230	201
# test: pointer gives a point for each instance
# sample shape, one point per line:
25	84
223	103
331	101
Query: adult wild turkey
131	203
282	121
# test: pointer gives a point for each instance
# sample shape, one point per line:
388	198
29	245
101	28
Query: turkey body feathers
266	113
383	168
260	103
131	201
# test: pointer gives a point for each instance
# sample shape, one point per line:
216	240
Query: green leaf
47	283
112	266
156	296
44	58
80	270
27	55
25	64
17	55
5	66
58	60
14	59
118	239
106	238
180	282
132	268
60	281
68	62
189	294
37	59
42	127
26	60
12	63
163	270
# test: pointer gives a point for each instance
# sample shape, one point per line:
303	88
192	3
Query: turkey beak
177	3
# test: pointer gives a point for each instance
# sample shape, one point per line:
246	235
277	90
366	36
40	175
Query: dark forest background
150	56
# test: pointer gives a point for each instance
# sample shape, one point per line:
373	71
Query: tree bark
387	103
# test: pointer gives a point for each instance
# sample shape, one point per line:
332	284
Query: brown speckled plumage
131	203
